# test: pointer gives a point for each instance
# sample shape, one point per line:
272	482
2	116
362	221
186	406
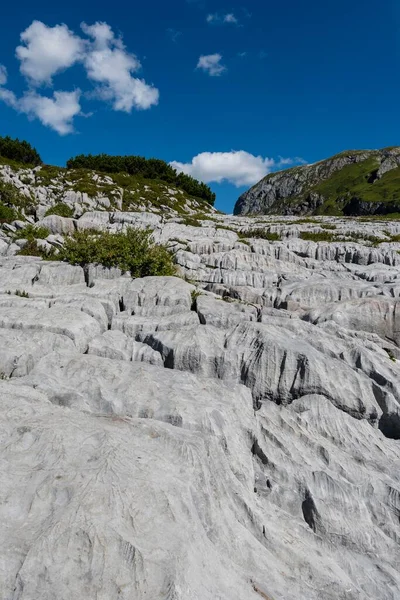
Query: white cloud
238	167
211	64
47	51
216	18
230	18
3	75
8	97
108	63
56	112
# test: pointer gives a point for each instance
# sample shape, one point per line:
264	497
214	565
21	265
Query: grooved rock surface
231	436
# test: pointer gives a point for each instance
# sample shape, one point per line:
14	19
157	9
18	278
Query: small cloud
242	54
237	167
262	54
173	34
211	64
230	18
3	75
218	19
56	112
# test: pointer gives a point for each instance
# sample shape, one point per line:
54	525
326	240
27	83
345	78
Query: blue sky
231	88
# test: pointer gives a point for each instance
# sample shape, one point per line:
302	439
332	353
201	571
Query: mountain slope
351	183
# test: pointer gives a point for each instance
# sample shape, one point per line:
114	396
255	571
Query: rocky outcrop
230	433
309	189
67	193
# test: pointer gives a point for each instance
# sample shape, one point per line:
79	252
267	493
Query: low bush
318	236
31	248
262	234
31	232
61	210
7	214
328	226
132	251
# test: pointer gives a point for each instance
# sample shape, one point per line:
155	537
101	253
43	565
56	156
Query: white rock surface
235	436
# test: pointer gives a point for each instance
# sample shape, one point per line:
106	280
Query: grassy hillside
357	181
124	192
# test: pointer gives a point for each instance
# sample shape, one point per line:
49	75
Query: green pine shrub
19	151
32	232
132	251
7	214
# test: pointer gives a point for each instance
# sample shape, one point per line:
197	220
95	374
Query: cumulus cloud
108	63
211	64
238	167
47	51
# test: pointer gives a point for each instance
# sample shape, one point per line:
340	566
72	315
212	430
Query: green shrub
304	221
318	236
10	196
19	150
32	232
7	214
31	248
60	209
328	226
191	221
131	251
262	234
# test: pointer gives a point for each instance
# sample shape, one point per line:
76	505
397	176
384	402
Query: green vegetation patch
61	210
131	251
32	249
19	151
12	199
31	232
305	221
47	174
318	236
262	234
7	214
